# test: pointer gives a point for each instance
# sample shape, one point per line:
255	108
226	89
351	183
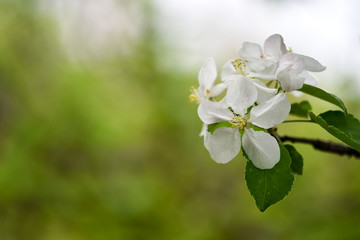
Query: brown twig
326	146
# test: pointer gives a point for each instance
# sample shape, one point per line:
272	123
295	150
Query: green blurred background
104	145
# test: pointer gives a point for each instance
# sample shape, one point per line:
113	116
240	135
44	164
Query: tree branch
326	146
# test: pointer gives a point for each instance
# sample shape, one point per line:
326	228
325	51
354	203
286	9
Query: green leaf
256	128
324	95
269	186
214	126
297	161
344	127
301	109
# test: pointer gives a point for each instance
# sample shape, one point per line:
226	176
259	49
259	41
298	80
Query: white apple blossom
274	63
253	62
293	71
225	143
206	78
206	90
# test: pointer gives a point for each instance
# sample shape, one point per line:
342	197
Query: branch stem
326	146
322	145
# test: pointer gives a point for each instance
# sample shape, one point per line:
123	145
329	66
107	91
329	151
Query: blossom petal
217	89
208	73
290	67
228	71
201	93
290	81
224	144
263	66
203	130
263	93
213	112
251	51
291	61
261	148
309	79
270	113
241	94
262	76
297	93
311	64
274	46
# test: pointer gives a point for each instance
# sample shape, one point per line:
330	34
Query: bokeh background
98	139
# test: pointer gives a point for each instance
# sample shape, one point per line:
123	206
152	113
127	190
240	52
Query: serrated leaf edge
262	209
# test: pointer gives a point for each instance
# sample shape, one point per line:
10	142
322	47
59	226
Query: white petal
228	71
263	93
290	81
208	73
201	91
291	61
309	79
274	46
261	148
270	113
203	130
241	94
224	144
214	112
217	89
311	64
251	51
290	67
297	93
262	76
264	66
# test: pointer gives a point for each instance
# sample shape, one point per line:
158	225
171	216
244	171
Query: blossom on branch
206	78
274	63
225	143
254	63
293	71
255	100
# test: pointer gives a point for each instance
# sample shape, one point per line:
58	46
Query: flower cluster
255	99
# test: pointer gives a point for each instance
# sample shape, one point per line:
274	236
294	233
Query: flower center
193	97
240	65
238	122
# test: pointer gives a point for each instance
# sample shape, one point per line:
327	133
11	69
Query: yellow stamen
238	122
239	65
193	97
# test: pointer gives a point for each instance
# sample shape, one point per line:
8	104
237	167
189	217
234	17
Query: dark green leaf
322	94
344	127
214	126
297	161
271	185
301	109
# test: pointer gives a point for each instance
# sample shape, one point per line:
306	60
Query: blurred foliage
110	150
